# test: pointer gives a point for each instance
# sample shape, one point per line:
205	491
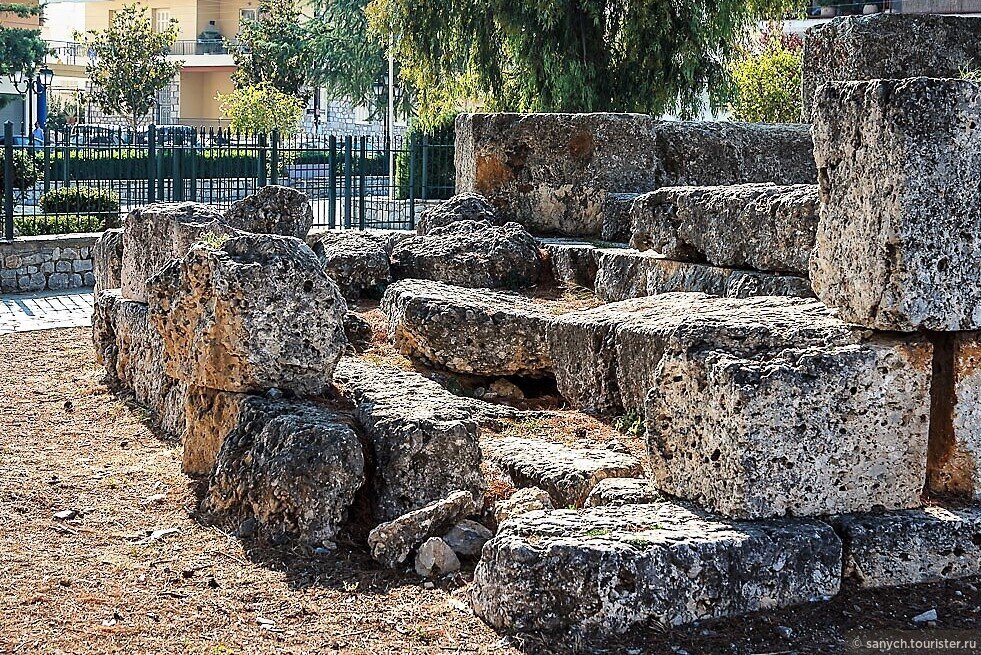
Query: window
112	16
245	15
161	20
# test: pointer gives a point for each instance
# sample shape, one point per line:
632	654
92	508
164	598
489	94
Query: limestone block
888	46
391	543
522	501
471	254
954	466
156	234
799	430
911	546
210	416
461	207
423	439
259	311
357	261
616	492
107	260
617	222
605	570
272	209
293	467
104	309
763	227
474	331
897	245
572	263
567	474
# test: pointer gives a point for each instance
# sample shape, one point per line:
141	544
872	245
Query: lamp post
385	89
24	84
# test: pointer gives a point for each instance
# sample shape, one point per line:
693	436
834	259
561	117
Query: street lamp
23	84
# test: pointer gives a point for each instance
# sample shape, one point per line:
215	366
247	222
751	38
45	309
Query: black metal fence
82	179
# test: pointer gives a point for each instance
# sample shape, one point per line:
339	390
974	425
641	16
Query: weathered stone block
471	254
757	226
392	542
156	234
272	210
210	416
888	46
567	474
617	492
911	546
423	439
605	570
461	207
954	466
572	263
475	331
357	261
259	311
104	307
897	245
617	223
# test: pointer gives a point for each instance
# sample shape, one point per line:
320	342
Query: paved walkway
26	312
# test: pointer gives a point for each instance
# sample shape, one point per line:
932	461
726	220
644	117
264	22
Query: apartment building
13	103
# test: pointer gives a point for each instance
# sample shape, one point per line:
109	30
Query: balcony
195	47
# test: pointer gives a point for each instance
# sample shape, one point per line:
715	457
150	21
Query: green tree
274	50
766	80
262	109
21	50
130	65
567	55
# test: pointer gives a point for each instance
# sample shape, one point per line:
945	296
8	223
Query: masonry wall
47	263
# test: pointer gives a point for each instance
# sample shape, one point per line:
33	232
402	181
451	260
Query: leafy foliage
560	55
766	80
261	109
79	199
26	171
20	49
42	224
130	65
275	50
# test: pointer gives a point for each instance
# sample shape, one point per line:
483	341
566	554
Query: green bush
435	148
26	172
41	225
131	164
767	80
79	200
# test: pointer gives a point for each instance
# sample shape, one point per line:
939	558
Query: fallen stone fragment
254	313
472	254
911	546
423	439
107	260
294	467
435	558
466	538
763	227
474	331
273	209
616	492
391	543
156	234
461	207
358	331
925	617
522	501
897	244
603	571
356	261
567	474
572	263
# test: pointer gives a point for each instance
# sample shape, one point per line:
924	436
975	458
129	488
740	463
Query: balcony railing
186	48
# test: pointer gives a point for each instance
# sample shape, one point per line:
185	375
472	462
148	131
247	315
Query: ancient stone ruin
640	373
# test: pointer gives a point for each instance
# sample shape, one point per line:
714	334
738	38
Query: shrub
766	80
26	171
437	144
44	224
80	200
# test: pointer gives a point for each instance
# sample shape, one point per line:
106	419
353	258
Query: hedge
440	170
80	200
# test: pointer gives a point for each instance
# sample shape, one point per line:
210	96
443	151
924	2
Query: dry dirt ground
135	571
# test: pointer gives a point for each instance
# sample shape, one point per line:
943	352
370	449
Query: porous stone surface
461	207
104	307
471	254
358	331
623	273
604	570
616	492
391	543
897	245
554	172
467	537
617	222
156	234
522	501
763	227
954	465
567	474
435	558
765	426
423	439
107	260
911	546
572	263
888	46
357	261
257	312
475	331
210	416
293	467
273	209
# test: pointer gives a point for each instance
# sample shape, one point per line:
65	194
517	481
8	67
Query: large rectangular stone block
563	173
888	46
764	227
897	245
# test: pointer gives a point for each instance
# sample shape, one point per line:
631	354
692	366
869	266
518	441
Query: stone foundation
47	263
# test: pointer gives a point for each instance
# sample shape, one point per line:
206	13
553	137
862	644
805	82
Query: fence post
412	183
47	160
8	181
151	163
274	164
66	158
362	191
332	180
262	180
424	191
193	172
347	181
177	181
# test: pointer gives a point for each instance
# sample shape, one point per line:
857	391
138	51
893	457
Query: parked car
100	135
18	140
168	135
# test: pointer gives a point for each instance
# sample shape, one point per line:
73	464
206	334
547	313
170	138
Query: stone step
471	331
567	474
616	492
605	570
572	262
761	227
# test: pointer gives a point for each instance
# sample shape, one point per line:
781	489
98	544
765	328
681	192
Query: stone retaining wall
47	263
